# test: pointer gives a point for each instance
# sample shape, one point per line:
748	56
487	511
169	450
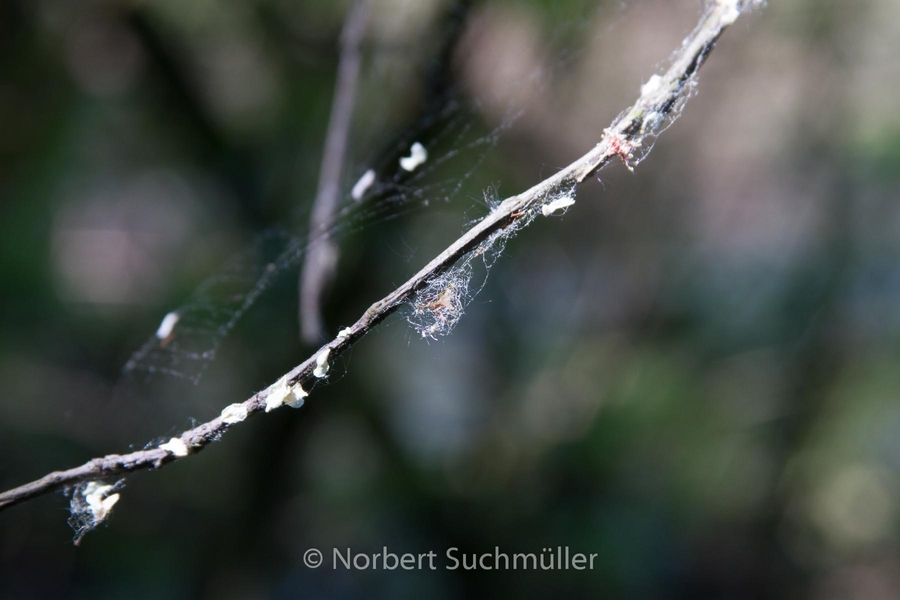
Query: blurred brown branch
644	118
322	254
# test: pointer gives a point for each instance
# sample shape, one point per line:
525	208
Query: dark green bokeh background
693	374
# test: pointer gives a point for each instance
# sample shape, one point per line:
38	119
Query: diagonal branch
322	254
659	99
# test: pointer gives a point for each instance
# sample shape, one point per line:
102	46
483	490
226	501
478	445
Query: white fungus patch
362	186
417	156
281	393
98	502
345	332
176	446
322	365
167	325
560	204
234	413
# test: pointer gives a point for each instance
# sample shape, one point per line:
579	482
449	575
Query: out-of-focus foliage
694	373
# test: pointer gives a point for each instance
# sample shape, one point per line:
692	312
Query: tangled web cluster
90	504
437	308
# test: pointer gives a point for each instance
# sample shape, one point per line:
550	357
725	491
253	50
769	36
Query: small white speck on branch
417	156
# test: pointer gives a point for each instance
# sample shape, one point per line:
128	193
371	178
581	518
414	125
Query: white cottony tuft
558	204
277	395
417	155
651	86
345	332
322	366
168	324
176	446
281	393
234	413
731	11
100	506
364	183
297	395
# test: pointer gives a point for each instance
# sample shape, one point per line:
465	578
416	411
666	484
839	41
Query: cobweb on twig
200	326
437	308
90	504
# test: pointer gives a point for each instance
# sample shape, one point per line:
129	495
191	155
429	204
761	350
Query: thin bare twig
322	253
643	118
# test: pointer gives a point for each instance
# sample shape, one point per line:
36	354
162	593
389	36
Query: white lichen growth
234	413
345	332
167	325
362	186
417	156
176	446
98	502
560	204
281	393
322	366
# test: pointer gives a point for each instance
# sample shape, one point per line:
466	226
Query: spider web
452	131
218	303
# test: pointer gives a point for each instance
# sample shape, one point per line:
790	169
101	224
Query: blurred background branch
322	254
